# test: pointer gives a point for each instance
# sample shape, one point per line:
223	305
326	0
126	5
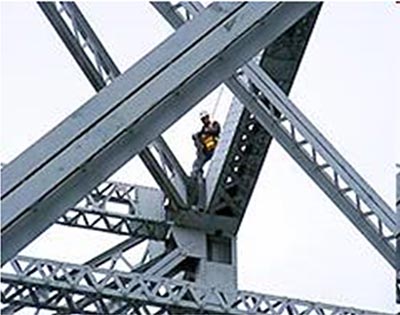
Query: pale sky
293	240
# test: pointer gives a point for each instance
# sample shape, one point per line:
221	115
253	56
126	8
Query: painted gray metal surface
234	171
346	180
140	211
76	32
105	144
244	143
346	188
38	153
380	234
155	285
154	294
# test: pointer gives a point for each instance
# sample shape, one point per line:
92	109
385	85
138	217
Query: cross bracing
109	128
134	292
266	110
347	189
101	70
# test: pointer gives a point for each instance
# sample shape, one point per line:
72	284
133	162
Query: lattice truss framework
174	277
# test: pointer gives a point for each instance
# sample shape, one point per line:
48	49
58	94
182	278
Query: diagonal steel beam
344	179
113	126
350	197
30	276
329	170
233	171
100	69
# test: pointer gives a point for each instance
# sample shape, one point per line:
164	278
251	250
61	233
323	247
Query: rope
217	102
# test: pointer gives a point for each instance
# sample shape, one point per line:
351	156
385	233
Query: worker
206	141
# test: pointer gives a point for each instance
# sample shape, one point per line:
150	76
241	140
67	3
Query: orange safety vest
209	142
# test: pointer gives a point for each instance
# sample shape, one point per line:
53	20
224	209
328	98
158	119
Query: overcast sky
293	240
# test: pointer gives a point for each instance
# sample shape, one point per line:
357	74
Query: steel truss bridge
190	266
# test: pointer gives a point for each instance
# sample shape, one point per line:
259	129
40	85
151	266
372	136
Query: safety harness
209	142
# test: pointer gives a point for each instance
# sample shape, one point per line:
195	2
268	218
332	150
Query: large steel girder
347	189
232	179
58	286
244	143
113	126
353	196
99	68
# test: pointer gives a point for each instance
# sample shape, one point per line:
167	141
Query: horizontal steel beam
138	292
115	223
113	126
122	209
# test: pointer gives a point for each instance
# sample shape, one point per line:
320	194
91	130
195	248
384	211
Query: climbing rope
217	102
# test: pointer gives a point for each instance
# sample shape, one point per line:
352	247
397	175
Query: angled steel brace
100	69
166	264
354	197
163	181
113	126
344	178
139	292
233	171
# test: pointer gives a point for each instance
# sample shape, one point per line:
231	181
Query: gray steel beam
83	43
115	223
166	184
166	264
353	182
139	213
73	45
233	171
113	126
36	282
353	196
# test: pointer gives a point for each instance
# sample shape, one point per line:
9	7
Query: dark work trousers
201	159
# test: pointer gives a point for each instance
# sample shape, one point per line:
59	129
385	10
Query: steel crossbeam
36	282
345	181
122	209
113	126
98	142
233	171
95	62
115	223
357	200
